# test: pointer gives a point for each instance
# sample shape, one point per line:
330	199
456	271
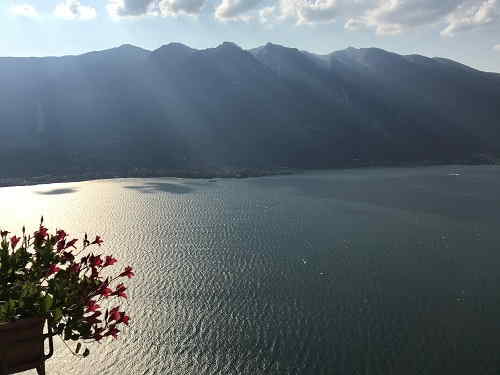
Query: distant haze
272	106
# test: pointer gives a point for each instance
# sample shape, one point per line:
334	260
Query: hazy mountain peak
130	49
229	45
271	49
175	46
124	51
129	46
366	56
273	45
347	52
172	53
364	51
225	48
279	47
296	65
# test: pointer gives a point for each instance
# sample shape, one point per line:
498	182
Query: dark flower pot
22	346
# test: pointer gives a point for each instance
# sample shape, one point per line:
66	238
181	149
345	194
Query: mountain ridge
177	107
131	46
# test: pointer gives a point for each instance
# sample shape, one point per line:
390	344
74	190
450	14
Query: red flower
53	269
105	292
13	241
60	234
77	281
95	261
114	309
114	314
98	240
71	243
92	306
109	261
127	272
124	319
61	245
120	291
41	233
75	268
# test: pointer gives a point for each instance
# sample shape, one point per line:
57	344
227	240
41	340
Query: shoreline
219	173
239	173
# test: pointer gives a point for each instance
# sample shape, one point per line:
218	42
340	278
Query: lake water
368	271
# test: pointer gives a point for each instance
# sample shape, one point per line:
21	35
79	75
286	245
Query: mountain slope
178	107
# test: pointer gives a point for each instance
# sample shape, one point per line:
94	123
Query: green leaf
46	303
58	314
12	305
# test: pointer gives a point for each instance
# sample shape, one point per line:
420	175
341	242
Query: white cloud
310	11
131	8
355	24
391	17
235	9
496	47
468	17
24	10
267	14
175	7
74	10
385	17
299	11
138	8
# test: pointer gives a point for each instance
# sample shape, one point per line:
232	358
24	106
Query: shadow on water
164	187
58	191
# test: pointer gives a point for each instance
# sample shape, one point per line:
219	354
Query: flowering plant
45	275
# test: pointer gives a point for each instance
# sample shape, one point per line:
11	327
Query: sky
467	31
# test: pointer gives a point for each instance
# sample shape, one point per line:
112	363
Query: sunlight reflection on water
380	271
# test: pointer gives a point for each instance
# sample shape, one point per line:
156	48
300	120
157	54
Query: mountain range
181	108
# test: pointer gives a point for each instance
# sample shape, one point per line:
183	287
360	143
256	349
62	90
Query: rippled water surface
379	271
